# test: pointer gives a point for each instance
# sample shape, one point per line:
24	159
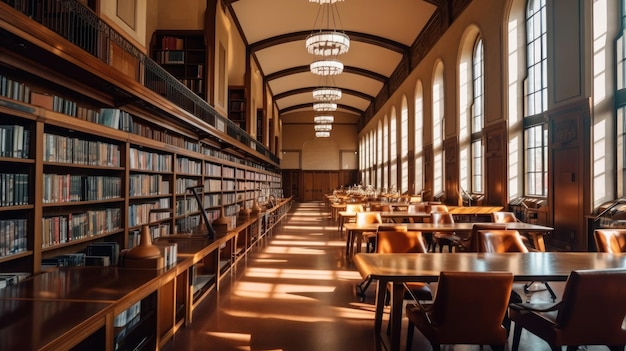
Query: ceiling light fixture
323	127
327	94
322	134
323	119
329	67
324	106
327	41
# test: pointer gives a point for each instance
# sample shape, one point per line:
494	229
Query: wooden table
400	268
356	231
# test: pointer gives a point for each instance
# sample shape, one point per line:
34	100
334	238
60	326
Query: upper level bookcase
183	54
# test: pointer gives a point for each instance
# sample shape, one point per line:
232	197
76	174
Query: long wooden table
533	266
356	231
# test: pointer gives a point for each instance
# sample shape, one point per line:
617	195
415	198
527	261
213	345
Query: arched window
535	121
419	137
438	128
379	157
404	146
385	160
478	116
393	150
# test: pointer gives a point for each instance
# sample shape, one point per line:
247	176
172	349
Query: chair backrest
368	217
438	208
593	308
381	207
414	208
441	217
500	241
610	240
503	217
470	243
353	208
469	307
390	241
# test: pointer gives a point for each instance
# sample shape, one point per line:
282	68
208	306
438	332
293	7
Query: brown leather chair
591	313
470	242
610	240
508	217
369	217
500	241
442	239
505	241
468	308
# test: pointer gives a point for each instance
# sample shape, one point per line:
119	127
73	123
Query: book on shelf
13	236
7	279
42	100
168	251
14	141
108	249
169	42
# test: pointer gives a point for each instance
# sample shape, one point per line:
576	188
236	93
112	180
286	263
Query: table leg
381	291
349	235
395	314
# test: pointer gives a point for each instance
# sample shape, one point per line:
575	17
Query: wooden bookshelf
237	106
183	54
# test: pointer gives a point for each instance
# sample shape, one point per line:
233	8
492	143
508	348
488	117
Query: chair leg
362	287
517	333
409	336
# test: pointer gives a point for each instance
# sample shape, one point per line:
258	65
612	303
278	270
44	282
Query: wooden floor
296	293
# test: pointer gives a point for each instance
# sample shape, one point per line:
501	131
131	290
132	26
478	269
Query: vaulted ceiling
381	33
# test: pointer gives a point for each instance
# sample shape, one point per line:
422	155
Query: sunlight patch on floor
306	274
285	317
279	291
293	227
293	250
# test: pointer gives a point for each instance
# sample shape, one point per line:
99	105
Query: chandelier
327	94
323	119
328	67
327	42
324	106
323	127
322	134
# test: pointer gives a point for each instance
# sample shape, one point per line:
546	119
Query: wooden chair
610	240
468	309
505	241
370	217
390	246
591	313
470	242
508	217
442	239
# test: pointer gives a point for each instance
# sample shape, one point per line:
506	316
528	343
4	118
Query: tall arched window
385	161
438	128
379	155
535	121
419	137
478	115
404	146
393	150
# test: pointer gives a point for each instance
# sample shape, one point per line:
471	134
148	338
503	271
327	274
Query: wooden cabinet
183	54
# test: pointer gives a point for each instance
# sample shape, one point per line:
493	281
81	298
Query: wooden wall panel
495	144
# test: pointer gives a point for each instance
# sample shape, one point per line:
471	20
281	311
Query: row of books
183	183
13	236
170	57
188	166
14	189
62	149
150	161
14	141
139	214
15	90
195	85
68	188
186	205
169	42
70	227
148	184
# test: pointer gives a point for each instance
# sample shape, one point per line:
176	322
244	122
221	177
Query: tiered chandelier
327	42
